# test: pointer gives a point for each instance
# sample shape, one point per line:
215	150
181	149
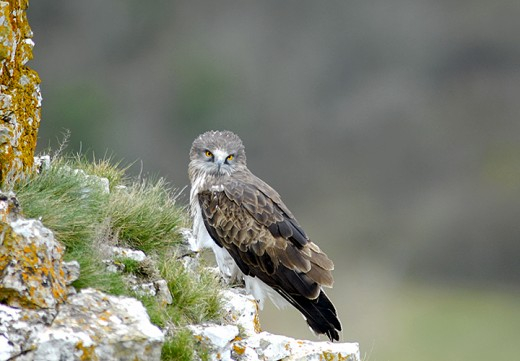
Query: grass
196	301
144	216
182	347
137	213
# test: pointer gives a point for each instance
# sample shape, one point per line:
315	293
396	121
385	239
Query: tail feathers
319	313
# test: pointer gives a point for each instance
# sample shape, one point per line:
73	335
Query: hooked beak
219	162
220	158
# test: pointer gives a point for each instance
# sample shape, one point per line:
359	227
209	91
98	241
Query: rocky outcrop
43	318
240	338
20	98
89	326
31	264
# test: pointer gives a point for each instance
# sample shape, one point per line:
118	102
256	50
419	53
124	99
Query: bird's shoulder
246	192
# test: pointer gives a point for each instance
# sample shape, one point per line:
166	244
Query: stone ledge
90	326
241	339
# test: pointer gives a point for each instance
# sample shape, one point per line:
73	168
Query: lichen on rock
31	272
20	97
90	326
96	326
240	338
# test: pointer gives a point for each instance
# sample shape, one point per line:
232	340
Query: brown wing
249	219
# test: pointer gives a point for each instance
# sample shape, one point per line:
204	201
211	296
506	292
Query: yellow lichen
239	349
256	320
37	272
329	356
87	352
20	99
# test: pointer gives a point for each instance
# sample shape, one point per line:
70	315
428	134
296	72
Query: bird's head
217	153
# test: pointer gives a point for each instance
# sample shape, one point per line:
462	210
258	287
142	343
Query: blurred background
390	128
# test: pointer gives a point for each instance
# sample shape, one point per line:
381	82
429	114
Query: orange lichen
20	99
87	352
329	356
256	321
38	270
239	349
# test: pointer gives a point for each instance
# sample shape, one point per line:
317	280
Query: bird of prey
253	234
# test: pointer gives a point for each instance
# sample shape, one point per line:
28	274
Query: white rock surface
9	207
96	326
90	326
42	163
266	346
122	252
241	309
163	292
101	182
243	341
71	270
19	328
217	339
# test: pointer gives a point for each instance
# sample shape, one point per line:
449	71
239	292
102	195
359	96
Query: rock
217	339
142	289
241	309
189	241
42	163
163	292
19	328
147	271
121	252
95	325
20	97
158	289
249	344
72	271
187	253
266	346
100	182
31	271
90	326
9	207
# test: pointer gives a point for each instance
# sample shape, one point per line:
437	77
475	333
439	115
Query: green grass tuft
180	347
195	300
144	216
65	201
131	265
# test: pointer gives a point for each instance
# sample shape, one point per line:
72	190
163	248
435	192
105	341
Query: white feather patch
260	290
202	239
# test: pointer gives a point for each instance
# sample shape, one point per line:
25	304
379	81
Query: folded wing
249	219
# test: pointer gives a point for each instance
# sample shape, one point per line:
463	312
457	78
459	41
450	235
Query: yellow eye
230	157
208	154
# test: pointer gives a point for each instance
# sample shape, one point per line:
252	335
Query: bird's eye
230	157
208	154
